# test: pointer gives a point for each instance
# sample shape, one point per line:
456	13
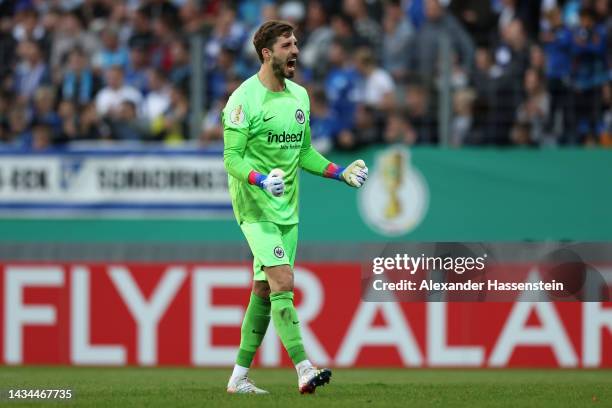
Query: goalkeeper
266	139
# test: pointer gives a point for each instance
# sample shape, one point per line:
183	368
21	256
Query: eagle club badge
237	115
299	116
279	252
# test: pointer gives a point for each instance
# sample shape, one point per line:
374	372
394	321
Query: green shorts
271	245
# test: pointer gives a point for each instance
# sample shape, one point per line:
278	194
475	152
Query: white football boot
243	385
313	377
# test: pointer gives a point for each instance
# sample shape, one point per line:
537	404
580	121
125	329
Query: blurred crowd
497	72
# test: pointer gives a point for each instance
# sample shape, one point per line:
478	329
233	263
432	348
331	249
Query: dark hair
586	11
266	35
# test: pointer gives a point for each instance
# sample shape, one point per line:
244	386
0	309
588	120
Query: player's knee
285	284
261	289
280	278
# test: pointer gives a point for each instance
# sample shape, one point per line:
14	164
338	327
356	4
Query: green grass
181	387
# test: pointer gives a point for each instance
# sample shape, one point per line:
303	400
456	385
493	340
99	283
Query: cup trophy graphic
393	176
395	199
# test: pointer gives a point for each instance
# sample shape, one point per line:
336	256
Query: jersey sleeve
236	124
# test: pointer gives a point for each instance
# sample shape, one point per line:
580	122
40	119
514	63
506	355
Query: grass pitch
186	387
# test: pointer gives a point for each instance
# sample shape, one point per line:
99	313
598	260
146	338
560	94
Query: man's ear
267	54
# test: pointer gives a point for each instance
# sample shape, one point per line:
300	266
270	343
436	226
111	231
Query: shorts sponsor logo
279	252
300	117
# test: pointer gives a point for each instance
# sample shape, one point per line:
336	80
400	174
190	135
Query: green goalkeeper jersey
263	130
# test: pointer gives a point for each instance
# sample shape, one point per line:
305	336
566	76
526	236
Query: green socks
255	324
253	329
287	325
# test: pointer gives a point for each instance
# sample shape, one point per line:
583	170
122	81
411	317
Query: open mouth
291	63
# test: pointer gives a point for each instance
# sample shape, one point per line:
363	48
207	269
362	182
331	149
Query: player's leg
256	318
254	326
284	313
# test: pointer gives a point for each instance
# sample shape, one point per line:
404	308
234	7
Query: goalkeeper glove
273	183
355	174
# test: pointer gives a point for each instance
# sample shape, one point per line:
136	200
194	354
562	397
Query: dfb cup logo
237	115
300	117
279	252
395	199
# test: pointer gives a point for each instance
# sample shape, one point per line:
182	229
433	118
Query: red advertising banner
190	314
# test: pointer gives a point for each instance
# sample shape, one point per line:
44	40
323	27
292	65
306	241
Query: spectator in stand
157	99
537	58
44	110
136	71
364	133
8	54
535	109
418	109
512	57
227	32
507	14
92	126
28	27
520	135
318	39
398	129
192	16
463	121
79	84
557	43
341	84
512	53
112	52
127	126
68	113
164	36
366	27
589	75
31	71
324	124
157	8
119	19
68	35
344	32
180	73
212	128
425	49
94	13
19	135
171	126
141	34
604	20
376	87
109	99
398	33
477	17
486	80
219	75
42	136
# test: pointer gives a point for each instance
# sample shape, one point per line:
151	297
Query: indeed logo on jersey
285	137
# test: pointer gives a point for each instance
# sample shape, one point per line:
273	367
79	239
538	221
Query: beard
279	68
